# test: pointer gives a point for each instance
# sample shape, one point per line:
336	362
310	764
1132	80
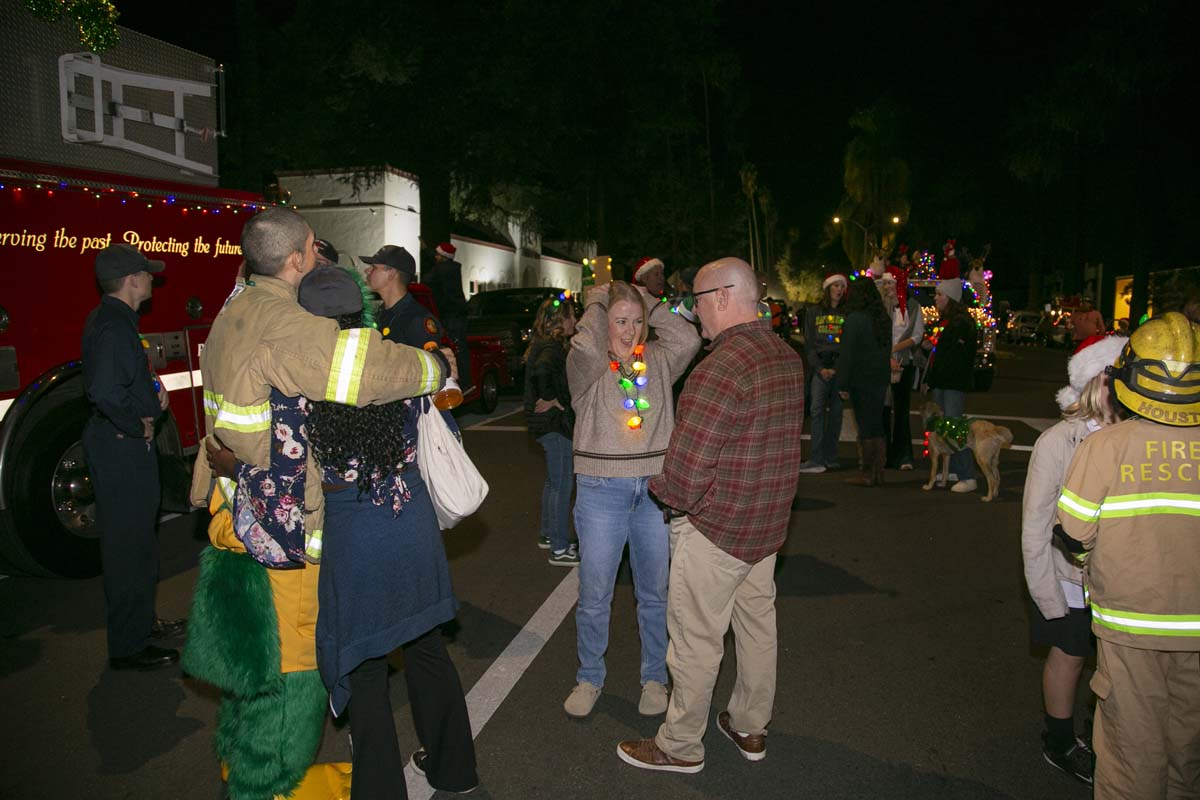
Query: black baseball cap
397	258
119	260
330	292
327	250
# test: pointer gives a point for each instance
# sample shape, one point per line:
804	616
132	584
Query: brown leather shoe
645	754
752	746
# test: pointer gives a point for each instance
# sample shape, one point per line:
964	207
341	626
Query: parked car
508	315
1022	327
489	359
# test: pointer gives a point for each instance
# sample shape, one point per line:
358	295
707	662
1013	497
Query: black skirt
1072	634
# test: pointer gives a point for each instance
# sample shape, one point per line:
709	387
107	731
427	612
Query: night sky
959	71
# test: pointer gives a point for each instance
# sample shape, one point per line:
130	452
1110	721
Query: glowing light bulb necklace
632	381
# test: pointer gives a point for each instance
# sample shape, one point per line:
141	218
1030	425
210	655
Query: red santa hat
645	265
446	250
903	250
948	247
832	278
1091	357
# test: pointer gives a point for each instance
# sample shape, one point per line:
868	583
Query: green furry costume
269	724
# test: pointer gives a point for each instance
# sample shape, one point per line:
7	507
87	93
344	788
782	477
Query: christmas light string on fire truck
170	201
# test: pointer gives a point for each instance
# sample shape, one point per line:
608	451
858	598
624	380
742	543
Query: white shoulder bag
455	485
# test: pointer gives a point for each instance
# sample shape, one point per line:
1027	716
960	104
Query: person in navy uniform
118	441
400	318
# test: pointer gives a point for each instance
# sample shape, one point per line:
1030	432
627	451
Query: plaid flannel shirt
735	452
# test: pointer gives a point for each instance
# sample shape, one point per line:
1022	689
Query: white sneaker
811	468
962	487
654	699
581	700
906	467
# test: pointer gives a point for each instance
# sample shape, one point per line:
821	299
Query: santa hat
900	276
645	265
1091	357
948	247
903	250
833	278
446	250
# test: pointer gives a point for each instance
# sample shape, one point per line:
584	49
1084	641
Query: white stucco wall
386	212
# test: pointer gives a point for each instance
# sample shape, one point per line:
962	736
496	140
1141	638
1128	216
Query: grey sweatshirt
605	446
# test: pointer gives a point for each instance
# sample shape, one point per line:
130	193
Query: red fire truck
100	149
52	222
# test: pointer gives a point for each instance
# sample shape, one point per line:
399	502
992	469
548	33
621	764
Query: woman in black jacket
951	371
864	371
551	420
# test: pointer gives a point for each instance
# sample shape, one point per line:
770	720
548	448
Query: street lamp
837	220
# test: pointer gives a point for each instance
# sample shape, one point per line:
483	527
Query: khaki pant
709	590
1147	730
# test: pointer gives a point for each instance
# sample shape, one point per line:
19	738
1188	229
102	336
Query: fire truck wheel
53	508
489	392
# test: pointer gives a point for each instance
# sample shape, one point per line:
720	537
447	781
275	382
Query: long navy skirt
384	581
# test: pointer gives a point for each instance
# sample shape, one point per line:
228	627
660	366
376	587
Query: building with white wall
361	210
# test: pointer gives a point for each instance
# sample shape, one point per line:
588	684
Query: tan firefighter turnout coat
264	339
1132	497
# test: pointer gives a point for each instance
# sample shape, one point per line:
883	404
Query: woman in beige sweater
621	393
1059	619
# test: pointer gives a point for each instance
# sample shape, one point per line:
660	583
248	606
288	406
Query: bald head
732	295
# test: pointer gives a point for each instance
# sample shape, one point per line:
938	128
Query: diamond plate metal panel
30	124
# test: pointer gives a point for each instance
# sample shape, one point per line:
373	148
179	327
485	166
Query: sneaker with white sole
963	487
581	700
811	468
654	699
565	558
1079	762
544	542
418	764
751	746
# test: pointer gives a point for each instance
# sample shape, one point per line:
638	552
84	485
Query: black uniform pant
439	715
124	476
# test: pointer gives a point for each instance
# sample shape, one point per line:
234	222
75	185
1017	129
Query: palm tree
876	181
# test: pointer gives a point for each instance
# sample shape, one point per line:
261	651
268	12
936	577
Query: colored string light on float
563	297
632	380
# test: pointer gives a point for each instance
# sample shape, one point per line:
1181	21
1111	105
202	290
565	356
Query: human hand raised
597	294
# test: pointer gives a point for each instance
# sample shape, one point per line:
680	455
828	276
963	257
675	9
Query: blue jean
825	441
953	404
556	491
610	512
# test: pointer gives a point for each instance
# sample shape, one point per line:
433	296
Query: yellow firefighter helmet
1157	375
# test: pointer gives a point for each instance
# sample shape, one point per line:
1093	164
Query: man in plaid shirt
730	475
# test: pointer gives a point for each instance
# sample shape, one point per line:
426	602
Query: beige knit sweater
604	444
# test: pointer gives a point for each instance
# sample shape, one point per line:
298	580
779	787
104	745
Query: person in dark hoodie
822	344
551	420
863	373
951	371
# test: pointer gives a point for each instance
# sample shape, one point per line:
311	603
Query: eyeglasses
715	289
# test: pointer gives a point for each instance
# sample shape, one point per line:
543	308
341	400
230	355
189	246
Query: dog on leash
985	439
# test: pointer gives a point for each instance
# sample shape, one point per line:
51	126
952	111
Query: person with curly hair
551	420
863	374
621	391
385	581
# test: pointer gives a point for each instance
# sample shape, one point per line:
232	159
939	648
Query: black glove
1074	546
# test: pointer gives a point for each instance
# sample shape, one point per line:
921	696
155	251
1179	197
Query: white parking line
490	690
485	424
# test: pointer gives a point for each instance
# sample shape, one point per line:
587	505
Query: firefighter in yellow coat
273	703
1131	500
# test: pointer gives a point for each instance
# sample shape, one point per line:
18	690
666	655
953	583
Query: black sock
1060	733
